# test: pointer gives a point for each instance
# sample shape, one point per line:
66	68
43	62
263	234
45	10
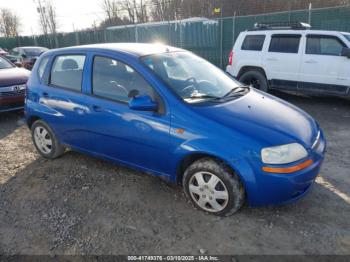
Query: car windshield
34	51
347	36
192	78
4	64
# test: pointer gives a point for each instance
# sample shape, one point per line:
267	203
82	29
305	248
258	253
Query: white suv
292	58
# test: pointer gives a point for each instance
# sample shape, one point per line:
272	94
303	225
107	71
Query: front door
322	66
140	138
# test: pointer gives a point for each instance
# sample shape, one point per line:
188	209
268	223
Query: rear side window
67	71
253	42
114	80
42	66
324	45
285	44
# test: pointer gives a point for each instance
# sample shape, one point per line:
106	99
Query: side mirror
143	103
345	52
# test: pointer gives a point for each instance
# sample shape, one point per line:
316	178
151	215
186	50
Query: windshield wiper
233	92
203	97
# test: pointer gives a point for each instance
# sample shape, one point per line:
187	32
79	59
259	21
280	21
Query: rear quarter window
253	42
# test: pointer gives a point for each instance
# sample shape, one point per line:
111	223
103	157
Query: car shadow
300	99
9	121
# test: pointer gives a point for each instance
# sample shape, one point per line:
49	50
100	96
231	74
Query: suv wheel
256	79
212	187
45	141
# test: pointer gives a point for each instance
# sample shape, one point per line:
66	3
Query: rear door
322	65
282	60
65	102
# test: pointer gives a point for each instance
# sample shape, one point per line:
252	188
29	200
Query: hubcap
208	191
43	139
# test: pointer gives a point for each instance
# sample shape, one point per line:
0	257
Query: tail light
230	58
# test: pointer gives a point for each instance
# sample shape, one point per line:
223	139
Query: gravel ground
81	205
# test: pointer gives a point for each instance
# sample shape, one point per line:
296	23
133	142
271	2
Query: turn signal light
287	170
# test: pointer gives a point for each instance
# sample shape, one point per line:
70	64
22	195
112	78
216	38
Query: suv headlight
284	154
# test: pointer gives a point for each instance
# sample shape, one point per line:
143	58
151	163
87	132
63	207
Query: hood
13	76
265	118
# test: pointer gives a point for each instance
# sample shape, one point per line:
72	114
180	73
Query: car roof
136	49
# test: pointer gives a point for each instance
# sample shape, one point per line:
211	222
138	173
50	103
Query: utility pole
222	31
77	42
35	41
43	20
310	9
234	28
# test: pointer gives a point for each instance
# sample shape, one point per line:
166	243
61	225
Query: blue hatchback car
168	112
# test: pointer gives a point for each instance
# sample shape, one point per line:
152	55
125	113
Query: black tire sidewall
56	150
257	75
234	186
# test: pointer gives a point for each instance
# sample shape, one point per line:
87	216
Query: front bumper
278	189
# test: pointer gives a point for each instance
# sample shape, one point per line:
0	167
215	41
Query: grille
15	90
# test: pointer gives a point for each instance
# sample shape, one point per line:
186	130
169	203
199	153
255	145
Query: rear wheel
212	187
256	79
45	140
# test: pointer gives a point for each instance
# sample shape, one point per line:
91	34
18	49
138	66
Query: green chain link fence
211	39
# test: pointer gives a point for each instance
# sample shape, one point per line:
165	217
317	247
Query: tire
227	195
255	78
42	134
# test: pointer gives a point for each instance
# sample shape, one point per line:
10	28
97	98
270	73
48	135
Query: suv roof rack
281	26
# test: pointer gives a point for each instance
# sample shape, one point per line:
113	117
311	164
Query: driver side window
114	80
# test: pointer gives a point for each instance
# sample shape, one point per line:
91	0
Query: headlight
284	154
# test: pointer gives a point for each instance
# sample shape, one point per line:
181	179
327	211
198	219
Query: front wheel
213	187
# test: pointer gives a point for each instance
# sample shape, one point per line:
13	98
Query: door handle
311	62
46	95
79	110
272	59
97	108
